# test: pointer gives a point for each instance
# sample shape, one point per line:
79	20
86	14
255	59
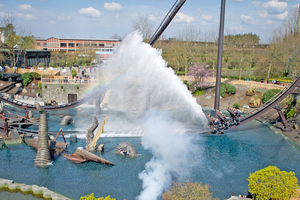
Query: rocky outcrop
66	120
90	133
43	154
126	149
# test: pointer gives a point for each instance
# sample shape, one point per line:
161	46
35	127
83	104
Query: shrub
41	64
236	105
269	94
92	197
61	63
255	101
198	92
26	78
226	88
290	112
270	182
1	77
35	75
40	85
33	66
188	190
230	89
185	82
73	73
52	64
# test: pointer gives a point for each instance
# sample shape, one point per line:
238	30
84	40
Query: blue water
225	163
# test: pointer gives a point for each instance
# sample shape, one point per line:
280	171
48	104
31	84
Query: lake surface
224	162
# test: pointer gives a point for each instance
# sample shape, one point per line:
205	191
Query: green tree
92	197
73	73
41	64
26	42
188	190
270	182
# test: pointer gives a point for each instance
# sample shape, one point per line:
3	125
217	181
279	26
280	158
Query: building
103	47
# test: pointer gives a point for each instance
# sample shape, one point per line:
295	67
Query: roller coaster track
270	104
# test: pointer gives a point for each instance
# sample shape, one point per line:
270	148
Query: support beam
220	52
284	121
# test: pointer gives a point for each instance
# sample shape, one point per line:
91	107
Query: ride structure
271	104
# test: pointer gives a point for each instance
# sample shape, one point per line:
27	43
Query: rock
209	90
33	91
26	97
241	98
246	106
73	138
13	133
1	84
125	148
24	91
295	126
25	188
30	114
30	98
90	133
208	97
66	120
12	97
39	99
13	186
19	89
10	79
18	85
101	147
61	116
32	85
17	96
37	94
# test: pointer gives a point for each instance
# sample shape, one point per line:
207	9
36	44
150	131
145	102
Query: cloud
113	6
247	19
238	0
27	16
265	14
26	8
256	3
204	23
90	12
199	10
3	14
63	18
181	17
153	18
207	17
275	6
269	22
238	28
52	22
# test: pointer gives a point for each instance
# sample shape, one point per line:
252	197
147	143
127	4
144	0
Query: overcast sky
103	19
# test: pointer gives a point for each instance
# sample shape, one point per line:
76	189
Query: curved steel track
273	102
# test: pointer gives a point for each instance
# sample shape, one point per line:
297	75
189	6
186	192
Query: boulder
126	149
295	126
18	85
32	85
24	91
246	107
101	147
66	120
61	116
13	133
37	94
208	97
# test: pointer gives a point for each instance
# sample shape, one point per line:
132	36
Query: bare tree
144	26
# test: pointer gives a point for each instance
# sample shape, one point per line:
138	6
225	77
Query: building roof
66	38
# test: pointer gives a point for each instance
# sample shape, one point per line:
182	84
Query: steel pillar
98	110
284	121
220	52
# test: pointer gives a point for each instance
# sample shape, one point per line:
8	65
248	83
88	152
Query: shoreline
36	191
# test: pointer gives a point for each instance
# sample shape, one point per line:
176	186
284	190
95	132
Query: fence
67	80
265	85
41	72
